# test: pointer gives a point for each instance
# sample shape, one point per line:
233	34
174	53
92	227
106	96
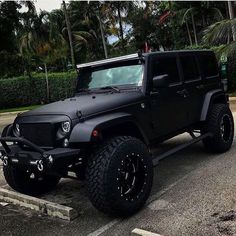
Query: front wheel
28	182
220	124
119	176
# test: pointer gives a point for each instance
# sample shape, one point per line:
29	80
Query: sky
47	5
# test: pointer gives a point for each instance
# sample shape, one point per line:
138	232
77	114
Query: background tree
103	29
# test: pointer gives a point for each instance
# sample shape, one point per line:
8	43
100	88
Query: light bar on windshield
106	61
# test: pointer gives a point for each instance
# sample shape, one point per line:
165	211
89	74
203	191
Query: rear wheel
28	182
119	176
221	124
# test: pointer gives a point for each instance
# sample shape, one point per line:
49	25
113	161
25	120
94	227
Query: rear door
168	105
209	70
193	84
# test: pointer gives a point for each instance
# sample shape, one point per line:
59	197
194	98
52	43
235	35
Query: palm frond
217	12
190	10
226	50
219	32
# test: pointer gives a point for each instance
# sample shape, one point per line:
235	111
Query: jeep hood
87	104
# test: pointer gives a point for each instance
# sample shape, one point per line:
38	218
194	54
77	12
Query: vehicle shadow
73	193
169	170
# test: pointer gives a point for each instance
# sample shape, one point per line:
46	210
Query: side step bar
195	139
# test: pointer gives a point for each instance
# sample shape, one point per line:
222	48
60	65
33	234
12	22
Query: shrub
23	91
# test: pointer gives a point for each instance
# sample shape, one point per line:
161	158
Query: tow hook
38	164
4	160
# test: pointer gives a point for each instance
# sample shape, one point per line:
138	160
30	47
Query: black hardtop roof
136	56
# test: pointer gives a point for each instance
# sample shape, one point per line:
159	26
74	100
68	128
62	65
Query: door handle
183	93
180	92
201	86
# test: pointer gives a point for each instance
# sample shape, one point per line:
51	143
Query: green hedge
23	91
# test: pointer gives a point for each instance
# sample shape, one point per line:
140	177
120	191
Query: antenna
140	54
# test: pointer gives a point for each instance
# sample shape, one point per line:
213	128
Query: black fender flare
82	132
7	131
209	100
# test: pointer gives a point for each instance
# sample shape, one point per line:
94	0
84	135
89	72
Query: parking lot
194	193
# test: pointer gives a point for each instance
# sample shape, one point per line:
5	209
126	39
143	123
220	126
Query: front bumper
26	154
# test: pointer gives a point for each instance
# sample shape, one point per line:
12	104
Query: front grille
39	134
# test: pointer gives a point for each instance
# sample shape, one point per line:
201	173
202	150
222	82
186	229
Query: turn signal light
95	133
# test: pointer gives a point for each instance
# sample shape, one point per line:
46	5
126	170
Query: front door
168	105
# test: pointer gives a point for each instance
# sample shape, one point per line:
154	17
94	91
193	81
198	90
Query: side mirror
161	81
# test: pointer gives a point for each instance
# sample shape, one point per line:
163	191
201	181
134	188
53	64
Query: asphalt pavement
194	193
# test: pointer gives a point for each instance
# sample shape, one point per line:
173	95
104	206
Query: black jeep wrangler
122	106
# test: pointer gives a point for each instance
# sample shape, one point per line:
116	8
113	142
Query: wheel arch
107	126
213	97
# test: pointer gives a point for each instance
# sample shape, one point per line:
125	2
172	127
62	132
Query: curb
12	113
40	205
141	232
232	99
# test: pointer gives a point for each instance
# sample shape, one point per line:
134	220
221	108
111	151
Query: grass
232	94
19	108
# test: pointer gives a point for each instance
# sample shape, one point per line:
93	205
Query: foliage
41	37
9	21
11	64
23	91
31	40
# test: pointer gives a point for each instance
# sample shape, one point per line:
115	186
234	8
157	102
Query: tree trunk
68	26
121	28
203	21
173	26
46	78
189	35
103	36
231	16
194	29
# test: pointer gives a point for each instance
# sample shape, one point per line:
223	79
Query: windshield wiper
83	90
110	87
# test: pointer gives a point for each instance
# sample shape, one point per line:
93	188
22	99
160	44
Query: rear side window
208	65
189	67
166	65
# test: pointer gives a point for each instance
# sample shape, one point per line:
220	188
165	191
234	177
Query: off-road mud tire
106	178
220	124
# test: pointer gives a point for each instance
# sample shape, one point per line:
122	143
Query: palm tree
203	12
222	33
218	33
68	26
231	15
88	27
117	9
40	38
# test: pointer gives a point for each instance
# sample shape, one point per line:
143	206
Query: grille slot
39	134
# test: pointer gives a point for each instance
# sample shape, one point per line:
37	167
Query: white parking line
141	232
104	228
152	198
155	197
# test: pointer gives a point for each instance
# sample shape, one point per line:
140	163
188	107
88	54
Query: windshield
115	75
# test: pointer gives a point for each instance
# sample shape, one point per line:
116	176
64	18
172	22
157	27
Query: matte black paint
157	115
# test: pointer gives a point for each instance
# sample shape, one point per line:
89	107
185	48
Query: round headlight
17	129
65	126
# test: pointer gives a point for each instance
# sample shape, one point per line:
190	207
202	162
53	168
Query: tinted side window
189	66
166	65
208	65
